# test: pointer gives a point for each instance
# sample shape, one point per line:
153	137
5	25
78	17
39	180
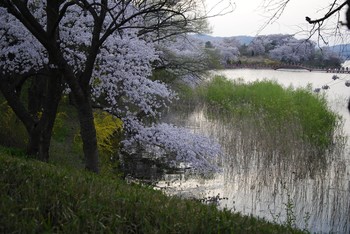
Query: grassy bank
42	198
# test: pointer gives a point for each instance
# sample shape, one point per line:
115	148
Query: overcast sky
249	16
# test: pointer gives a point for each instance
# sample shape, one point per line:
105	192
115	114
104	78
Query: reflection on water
274	174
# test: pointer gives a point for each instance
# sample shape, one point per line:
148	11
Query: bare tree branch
326	16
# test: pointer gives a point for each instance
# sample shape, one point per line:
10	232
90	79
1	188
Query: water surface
277	176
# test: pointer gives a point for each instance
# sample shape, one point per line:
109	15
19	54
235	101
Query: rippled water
273	175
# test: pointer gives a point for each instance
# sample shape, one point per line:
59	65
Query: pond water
276	177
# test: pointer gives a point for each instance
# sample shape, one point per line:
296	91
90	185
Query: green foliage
63	148
108	133
317	120
41	198
60	131
214	58
164	76
13	132
274	106
209	45
290	215
257	61
107	127
269	62
13	152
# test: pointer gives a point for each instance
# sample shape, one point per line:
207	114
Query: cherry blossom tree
225	50
22	58
102	52
293	51
256	47
285	48
228	50
183	58
327	57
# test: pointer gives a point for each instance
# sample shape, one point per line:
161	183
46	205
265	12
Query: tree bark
347	15
36	92
51	102
39	129
88	135
33	143
36	95
47	100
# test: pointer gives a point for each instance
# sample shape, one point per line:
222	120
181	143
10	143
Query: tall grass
272	138
274	106
36	197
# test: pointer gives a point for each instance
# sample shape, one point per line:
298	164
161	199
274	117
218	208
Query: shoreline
289	67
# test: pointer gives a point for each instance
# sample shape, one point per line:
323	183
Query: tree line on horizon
283	48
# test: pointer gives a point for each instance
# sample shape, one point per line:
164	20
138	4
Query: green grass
274	105
37	197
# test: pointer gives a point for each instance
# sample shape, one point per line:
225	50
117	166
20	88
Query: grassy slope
36	197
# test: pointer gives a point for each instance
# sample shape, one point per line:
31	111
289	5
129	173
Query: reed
273	106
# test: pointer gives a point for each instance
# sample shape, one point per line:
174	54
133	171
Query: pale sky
250	15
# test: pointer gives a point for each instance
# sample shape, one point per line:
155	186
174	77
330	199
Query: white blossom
20	52
194	150
121	76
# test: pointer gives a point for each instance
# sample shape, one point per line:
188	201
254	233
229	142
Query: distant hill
343	50
242	39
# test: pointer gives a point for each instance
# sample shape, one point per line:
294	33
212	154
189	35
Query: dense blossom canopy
283	48
20	52
121	79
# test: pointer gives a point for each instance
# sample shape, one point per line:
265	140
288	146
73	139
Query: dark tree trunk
14	101
46	123
45	97
39	129
347	15
82	101
33	142
49	38
79	84
36	98
88	135
36	95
